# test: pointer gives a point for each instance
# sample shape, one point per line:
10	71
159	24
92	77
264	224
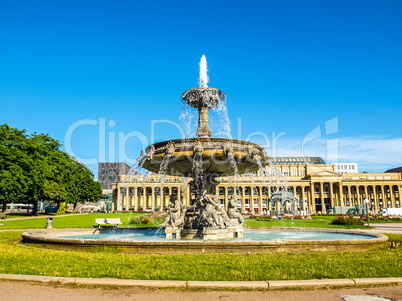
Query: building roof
398	169
297	160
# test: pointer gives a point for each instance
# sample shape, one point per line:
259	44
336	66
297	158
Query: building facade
110	172
317	186
346	167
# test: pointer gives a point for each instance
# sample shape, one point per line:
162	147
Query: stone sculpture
176	214
233	212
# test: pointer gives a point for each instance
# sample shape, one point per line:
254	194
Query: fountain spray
203	80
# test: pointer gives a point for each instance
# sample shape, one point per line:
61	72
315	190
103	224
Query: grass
88	221
70	221
315	222
106	262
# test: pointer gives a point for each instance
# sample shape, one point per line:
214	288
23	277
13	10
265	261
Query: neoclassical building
316	185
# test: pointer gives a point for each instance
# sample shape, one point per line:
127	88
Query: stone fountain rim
160	144
203	89
51	237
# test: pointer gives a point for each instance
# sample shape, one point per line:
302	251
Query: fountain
203	159
204	221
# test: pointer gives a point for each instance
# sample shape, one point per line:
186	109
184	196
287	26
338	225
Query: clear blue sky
285	66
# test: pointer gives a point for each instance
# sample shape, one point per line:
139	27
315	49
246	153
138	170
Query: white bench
108	222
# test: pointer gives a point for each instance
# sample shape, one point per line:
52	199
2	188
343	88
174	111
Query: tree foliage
32	167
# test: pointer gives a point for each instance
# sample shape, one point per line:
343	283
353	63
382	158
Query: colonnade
313	196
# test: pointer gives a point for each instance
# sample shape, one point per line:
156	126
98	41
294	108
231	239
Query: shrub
152	218
138	220
347	221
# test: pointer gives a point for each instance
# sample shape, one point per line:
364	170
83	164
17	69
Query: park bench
107	222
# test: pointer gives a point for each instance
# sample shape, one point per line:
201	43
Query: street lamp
366	201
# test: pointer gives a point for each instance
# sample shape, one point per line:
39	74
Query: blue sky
323	74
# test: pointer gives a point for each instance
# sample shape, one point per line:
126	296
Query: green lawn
88	221
315	222
101	262
70	221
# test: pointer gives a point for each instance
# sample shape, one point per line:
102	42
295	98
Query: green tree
13	158
33	168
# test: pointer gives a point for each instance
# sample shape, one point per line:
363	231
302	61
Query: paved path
387	228
39	216
11	291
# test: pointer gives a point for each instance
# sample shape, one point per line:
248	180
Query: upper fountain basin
215	154
203	97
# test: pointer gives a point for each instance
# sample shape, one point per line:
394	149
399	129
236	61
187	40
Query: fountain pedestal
173	233
230	232
205	233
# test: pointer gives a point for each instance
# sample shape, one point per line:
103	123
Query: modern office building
110	172
317	186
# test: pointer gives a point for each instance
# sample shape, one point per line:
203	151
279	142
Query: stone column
153	199
384	198
243	200
391	191
168	198
188	196
251	195
331	195
399	195
302	198
341	194
367	197
144	198
376	202
313	197
226	196
349	197
358	195
119	198
260	200
179	194
323	210
135	199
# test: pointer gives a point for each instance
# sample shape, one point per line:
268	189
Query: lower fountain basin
261	240
214	156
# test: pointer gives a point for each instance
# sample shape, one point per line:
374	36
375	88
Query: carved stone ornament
141	157
227	147
198	147
150	153
252	151
170	147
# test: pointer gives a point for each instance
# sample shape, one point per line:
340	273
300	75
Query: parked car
50	209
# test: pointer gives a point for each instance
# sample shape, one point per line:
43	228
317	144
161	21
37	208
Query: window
371	178
364	178
347	178
379	178
387	178
355	178
221	191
